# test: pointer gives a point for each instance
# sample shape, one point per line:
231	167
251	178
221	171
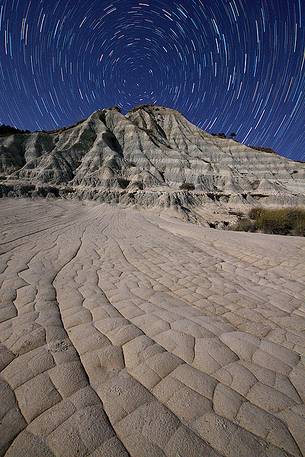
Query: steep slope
153	157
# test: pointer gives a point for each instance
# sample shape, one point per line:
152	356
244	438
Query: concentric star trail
228	65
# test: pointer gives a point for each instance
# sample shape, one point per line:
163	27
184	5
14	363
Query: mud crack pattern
128	334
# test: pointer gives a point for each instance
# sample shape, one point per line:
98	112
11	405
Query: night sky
227	65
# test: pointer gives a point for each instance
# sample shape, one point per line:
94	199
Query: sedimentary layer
151	157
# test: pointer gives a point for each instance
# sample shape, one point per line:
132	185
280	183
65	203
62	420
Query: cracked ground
123	333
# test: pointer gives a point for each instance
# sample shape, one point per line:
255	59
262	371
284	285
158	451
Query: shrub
219	135
123	183
187	186
244	225
254	213
283	221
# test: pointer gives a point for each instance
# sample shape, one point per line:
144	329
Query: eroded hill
152	157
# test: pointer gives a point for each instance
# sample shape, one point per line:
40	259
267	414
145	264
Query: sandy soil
123	333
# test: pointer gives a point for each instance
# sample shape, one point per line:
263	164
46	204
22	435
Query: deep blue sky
227	65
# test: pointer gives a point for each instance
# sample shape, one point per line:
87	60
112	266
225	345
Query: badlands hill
151	157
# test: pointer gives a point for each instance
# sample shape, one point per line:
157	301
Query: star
228	65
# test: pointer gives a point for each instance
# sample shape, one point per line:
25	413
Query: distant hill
8	130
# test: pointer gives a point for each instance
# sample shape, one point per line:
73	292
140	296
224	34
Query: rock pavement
123	333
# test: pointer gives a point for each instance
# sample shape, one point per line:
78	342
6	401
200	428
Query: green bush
244	225
254	213
283	221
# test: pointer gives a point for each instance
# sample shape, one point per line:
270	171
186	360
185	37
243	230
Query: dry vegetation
283	221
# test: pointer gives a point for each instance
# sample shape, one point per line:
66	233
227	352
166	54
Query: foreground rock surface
152	157
127	334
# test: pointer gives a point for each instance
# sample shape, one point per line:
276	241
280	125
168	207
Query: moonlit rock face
123	333
150	155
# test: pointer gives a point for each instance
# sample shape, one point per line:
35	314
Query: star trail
227	65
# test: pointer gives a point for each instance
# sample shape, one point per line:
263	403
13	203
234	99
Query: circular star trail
227	65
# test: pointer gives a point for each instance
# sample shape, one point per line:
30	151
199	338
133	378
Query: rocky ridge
151	157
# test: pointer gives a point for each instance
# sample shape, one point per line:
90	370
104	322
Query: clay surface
125	333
